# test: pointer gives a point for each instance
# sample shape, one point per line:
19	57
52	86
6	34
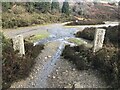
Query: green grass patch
37	37
79	42
76	41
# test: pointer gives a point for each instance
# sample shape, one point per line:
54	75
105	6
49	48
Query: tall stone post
98	39
18	44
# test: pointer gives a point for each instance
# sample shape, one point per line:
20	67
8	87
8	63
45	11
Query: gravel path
65	75
37	78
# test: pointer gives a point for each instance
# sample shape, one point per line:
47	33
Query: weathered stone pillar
98	39
18	44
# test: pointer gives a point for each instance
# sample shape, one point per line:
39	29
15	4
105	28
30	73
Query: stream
44	67
63	33
48	67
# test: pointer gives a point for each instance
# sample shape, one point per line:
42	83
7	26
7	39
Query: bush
78	56
18	10
112	34
87	33
106	61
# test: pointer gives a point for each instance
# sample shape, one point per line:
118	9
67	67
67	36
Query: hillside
104	11
21	14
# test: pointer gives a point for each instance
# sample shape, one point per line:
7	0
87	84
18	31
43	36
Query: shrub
78	56
18	9
87	33
112	34
106	61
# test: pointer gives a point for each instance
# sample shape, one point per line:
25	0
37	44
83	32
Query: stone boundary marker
18	44
98	39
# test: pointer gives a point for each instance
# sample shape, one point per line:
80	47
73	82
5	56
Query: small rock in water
58	77
38	69
73	69
68	86
31	77
53	77
56	70
57	73
66	71
45	57
21	86
49	56
49	76
85	42
77	85
33	84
